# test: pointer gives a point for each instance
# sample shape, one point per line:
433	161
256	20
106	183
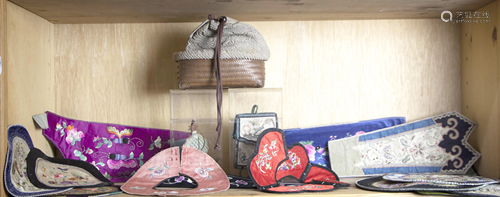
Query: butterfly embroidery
117	156
120	134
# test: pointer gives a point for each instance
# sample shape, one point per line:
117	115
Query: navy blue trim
21	132
397	129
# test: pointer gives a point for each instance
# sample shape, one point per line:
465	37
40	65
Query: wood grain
328	72
3	84
481	87
154	11
30	71
342	71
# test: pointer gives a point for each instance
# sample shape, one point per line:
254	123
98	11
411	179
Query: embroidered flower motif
158	171
158	142
58	126
292	163
242	182
417	150
283	166
179	179
73	135
203	172
264	157
273	148
311	152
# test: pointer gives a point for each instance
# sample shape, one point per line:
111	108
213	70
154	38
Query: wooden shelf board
351	191
161	11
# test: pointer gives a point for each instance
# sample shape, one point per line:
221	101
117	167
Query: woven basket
235	73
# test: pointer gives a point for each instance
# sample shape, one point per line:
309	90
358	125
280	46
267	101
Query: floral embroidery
311	150
60	175
420	146
158	170
242	182
203	172
73	135
118	137
19	175
156	143
97	164
417	149
292	163
264	157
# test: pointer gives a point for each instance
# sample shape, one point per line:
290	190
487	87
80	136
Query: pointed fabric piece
192	164
52	173
15	173
116	150
273	162
433	145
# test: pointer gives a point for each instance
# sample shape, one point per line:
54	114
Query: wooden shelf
351	191
161	11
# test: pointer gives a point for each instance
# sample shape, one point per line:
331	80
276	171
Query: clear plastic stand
198	105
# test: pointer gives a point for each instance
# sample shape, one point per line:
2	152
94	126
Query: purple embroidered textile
116	150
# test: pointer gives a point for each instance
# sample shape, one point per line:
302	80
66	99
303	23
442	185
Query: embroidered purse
247	128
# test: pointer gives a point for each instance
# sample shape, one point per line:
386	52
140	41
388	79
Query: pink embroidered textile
168	163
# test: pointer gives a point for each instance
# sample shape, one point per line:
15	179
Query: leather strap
222	21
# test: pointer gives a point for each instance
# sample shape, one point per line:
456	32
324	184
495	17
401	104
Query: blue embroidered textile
315	139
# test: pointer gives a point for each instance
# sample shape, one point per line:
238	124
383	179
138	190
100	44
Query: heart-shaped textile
272	162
